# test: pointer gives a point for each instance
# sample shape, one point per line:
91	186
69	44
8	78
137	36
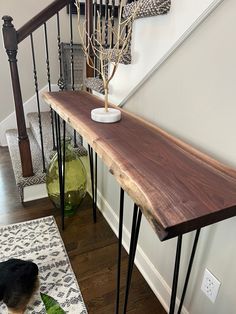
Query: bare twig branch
119	33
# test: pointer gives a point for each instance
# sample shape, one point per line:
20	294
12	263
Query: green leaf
51	305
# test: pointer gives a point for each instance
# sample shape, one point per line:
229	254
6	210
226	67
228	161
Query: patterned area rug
40	241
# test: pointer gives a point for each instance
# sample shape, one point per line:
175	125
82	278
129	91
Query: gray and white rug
40	241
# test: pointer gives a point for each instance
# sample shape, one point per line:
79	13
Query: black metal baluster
95	33
137	215
119	250
100	13
101	18
176	275
72	50
60	82
95	8
112	22
38	103
49	83
47	57
106	24
120	12
72	65
189	270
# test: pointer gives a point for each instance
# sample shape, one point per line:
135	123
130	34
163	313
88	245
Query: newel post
11	46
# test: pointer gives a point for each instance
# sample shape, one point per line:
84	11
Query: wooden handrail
40	19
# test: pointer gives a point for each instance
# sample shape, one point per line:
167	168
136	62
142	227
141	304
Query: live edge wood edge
178	188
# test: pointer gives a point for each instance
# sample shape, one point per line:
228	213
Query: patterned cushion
147	8
95	84
125	59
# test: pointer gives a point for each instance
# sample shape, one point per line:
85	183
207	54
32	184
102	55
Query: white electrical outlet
210	285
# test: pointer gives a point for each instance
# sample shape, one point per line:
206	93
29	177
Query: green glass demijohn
75	180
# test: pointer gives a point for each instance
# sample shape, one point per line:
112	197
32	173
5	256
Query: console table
176	187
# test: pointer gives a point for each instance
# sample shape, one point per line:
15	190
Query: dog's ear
29	271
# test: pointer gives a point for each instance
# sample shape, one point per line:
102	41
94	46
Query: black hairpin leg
119	250
137	215
93	181
61	165
176	275
189	270
63	174
95	188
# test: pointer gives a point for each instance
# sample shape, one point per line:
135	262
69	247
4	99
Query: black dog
18	281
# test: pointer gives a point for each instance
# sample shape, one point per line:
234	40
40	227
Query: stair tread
47	140
47	133
39	176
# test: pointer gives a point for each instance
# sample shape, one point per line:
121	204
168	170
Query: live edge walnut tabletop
176	187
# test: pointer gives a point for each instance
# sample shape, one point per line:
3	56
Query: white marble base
110	116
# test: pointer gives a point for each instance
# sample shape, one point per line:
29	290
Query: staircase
39	176
29	159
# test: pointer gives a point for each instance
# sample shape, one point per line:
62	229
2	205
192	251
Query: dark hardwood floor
92	248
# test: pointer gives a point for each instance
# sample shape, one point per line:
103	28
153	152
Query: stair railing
12	38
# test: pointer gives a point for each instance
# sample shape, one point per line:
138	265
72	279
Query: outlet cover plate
210	285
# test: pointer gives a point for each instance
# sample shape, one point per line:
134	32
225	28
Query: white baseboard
154	279
184	23
29	106
35	192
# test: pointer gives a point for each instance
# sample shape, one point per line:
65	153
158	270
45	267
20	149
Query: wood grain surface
178	188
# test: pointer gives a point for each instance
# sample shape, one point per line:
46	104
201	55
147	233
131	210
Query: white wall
153	40
193	96
22	11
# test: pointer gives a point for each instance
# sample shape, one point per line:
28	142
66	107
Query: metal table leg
119	251
93	173
137	215
61	165
189	270
176	273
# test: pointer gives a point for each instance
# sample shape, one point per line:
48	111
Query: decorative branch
119	43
